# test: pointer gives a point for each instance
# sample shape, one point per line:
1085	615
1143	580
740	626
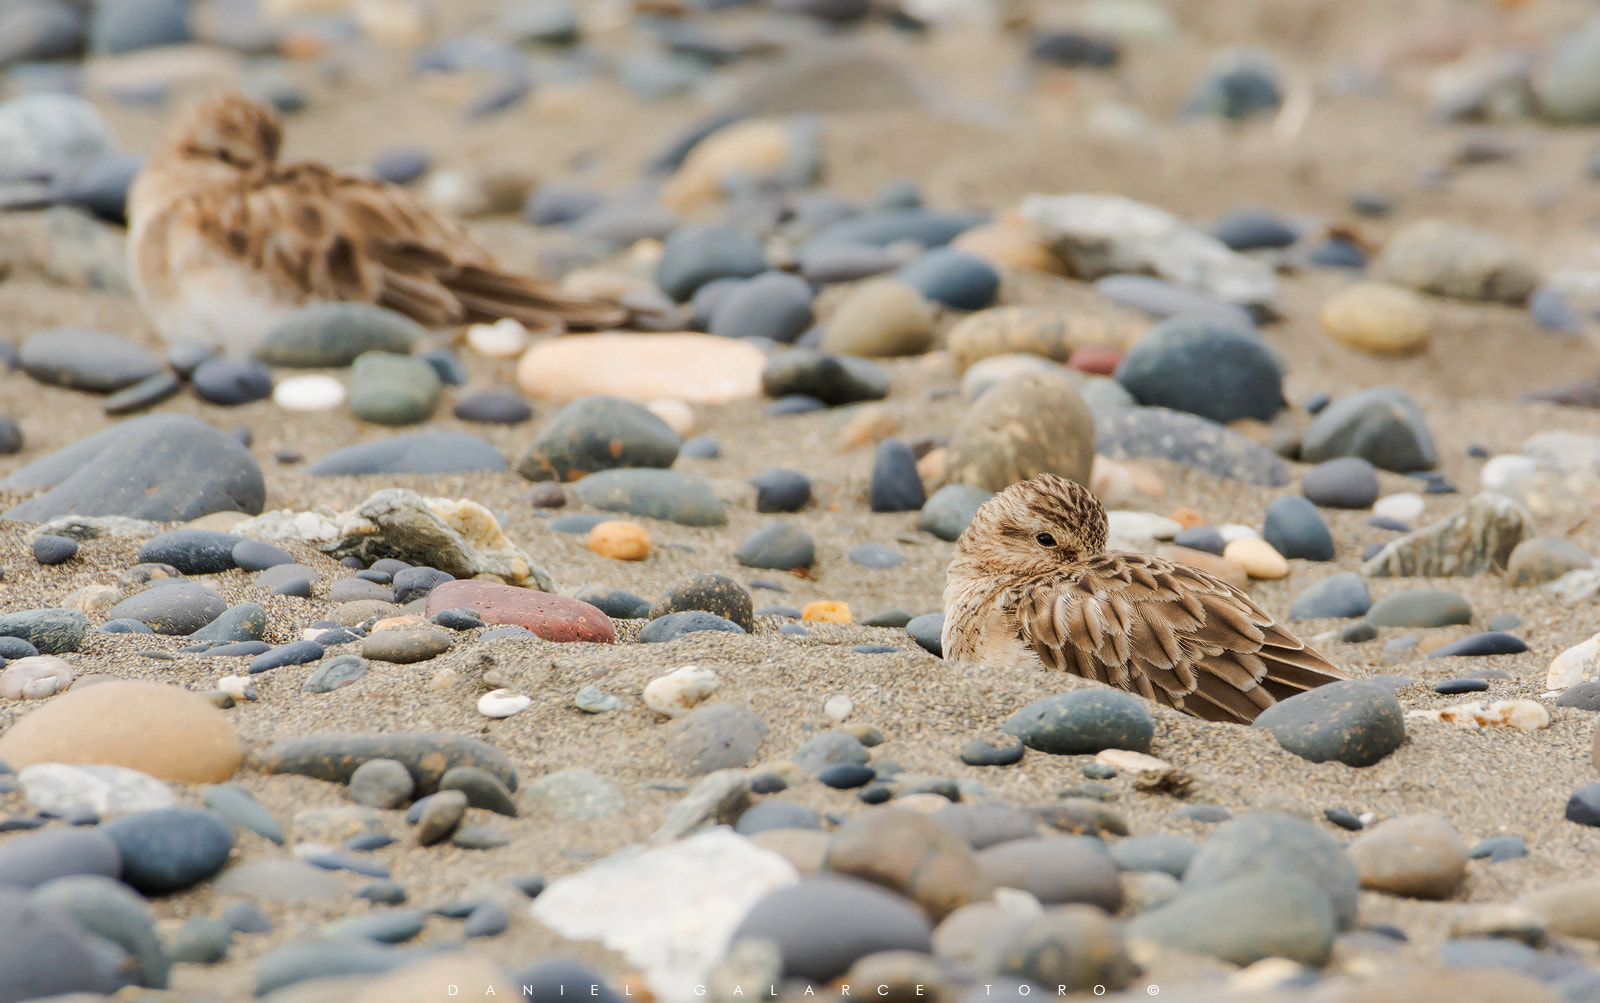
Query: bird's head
224	134
1034	527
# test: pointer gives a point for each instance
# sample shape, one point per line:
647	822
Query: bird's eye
1046	540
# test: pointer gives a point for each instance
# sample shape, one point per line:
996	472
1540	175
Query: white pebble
1136	525
1576	664
1504	473
504	339
309	393
839	707
677	692
238	687
1405	506
1129	761
1232	531
503	703
35	677
678	415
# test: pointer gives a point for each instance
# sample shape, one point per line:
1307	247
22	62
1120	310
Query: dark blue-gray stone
928	227
696	254
179	608
231	382
1245	920
701	447
1336	252
598	433
927	630
894	618
1239	84
833	379
240	807
896	486
875	649
128	625
1084	722
954	278
1163	852
494	407
245	622
672	626
129	25
658	494
1583	696
236	649
979	752
951	508
1347	482
829	749
781	490
86	360
1382	425
44	953
1272	843
846	776
844	263
145	394
293	653
51	549
457	618
401	165
487	920
1498	848
50	631
1492	642
875	555
413	453
1455	687
1205	368
1583	807
414	583
1420	608
1187	440
558	205
1073	49
325	957
445	364
1295	529
773	305
1253	229
822	925
1207	539
578	523
30	861
332	335
615	603
1338	596
258	555
1358	632
170	849
334	673
108	908
778	546
1354	722
192	551
161	467
391	926
794	404
45	29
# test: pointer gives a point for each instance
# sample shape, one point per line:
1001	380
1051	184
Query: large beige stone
883	317
161	730
1025	426
697	368
1376	317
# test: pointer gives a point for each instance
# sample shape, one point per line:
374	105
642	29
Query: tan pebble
826	611
869	424
1568	907
1524	715
398	622
1500	919
754	148
1376	317
488	576
1042	331
806	849
677	415
92	598
1010	243
1131	762
1231	572
697	368
645	252
925	803
931	468
443	679
604	283
1258	558
1111	482
621	540
881	318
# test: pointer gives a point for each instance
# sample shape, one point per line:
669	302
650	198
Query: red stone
1098	359
554	618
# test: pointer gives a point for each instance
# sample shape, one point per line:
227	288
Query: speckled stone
334	757
1354	722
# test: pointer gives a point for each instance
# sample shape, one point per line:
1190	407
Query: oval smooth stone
554	618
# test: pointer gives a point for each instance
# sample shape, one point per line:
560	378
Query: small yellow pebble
625	541
1258	558
398	622
826	611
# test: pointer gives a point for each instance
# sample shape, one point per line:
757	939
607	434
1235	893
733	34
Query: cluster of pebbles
402	665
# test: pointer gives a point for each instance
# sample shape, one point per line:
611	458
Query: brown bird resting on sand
1032	585
224	240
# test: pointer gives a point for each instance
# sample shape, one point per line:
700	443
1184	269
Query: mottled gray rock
1477	539
1190	441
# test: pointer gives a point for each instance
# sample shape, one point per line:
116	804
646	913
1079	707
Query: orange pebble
1187	517
624	541
826	611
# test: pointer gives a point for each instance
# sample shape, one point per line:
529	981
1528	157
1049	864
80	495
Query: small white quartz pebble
679	691
504	339
503	703
238	687
839	707
35	677
1405	506
1506	472
1129	761
1576	664
309	393
1232	531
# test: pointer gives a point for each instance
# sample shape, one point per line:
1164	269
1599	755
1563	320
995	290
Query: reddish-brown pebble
554	618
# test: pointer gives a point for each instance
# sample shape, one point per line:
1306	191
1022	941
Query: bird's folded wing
1169	632
342	237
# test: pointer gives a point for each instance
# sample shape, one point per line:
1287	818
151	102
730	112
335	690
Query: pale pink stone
35	677
696	368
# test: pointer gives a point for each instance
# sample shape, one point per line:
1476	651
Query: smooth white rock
238	687
503	703
1577	664
1405	506
35	677
65	789
680	691
839	707
678	415
1232	531
698	888
1504	473
504	339
309	393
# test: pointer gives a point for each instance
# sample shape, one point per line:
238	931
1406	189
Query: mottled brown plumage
224	240
1032	585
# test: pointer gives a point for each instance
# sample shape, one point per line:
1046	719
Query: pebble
1342	596
388	389
1493	642
681	690
412	453
594	701
231	382
696	254
1187	440
1542	559
309	393
1420	608
1453	260
576	794
927	630
245	623
34	678
615	603
333	757
1348	482
1204	368
1281	846
598	433
483	789
171	848
1382	425
1083	723
86	360
240	807
1029	424
201	940
334	335
49	549
1377	317
701	447
552	617
440	814
1415	856
669	495
44	950
775	306
953	278
1056	870
1258	558
619	540
1355	722
381	783
712	593
1295	529
46	631
779	546
503	703
947	513
1246	919
781	490
293	653
832	379
493	407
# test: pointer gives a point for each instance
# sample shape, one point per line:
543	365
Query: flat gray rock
1190	441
